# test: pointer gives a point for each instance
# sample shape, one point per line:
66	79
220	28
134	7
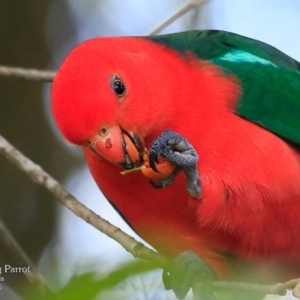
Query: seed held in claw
163	166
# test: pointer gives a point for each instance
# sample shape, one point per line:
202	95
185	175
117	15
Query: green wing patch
270	79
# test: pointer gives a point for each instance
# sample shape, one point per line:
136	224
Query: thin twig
14	248
276	289
22	259
187	7
28	74
47	76
296	290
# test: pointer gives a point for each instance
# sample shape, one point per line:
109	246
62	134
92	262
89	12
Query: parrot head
115	96
111	96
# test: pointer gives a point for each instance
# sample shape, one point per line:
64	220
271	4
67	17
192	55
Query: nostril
104	131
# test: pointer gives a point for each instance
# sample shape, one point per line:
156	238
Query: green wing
270	79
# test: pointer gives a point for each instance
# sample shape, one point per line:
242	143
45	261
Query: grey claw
165	181
176	149
152	160
157	185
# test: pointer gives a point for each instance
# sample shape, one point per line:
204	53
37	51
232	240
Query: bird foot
176	149
183	271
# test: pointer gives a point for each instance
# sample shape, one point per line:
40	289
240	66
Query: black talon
152	160
156	185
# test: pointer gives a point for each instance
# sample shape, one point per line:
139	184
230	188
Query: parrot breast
246	221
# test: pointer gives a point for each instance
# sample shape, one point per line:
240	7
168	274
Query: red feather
246	223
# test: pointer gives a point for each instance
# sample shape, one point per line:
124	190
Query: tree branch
39	176
276	289
136	248
187	7
28	74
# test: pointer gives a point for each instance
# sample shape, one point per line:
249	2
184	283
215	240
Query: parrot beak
122	148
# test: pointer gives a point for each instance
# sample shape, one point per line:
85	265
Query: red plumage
246	223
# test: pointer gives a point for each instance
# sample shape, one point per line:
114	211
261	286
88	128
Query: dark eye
118	86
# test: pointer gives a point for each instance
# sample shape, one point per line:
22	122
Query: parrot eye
118	86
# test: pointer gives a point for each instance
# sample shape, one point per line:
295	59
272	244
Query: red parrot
224	111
